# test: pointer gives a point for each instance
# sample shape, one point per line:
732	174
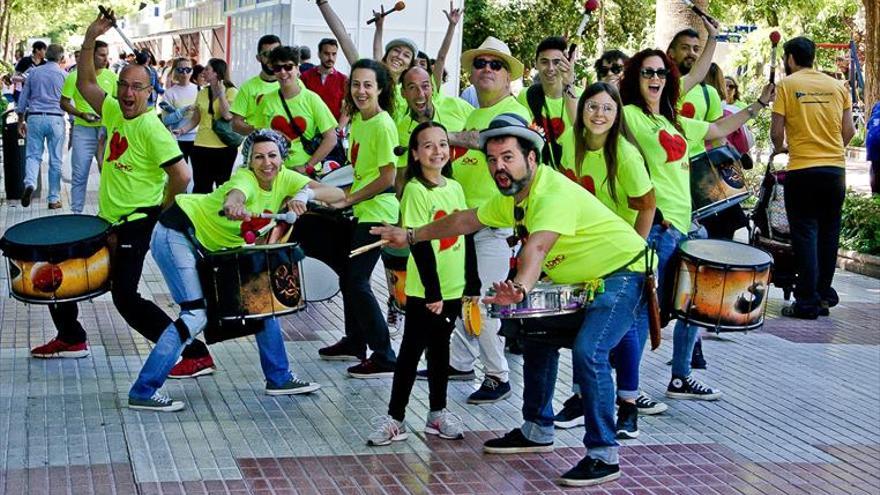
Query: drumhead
320	282
726	253
341	177
55	238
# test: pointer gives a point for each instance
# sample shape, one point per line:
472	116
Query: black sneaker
794	312
590	472
371	369
690	388
26	196
825	308
514	442
339	352
453	374
492	390
698	362
648	406
571	415
627	421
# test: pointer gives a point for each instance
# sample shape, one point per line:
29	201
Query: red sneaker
192	367
58	349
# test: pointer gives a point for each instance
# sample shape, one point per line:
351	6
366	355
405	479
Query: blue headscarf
263	135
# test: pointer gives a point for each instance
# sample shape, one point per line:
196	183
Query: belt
47	114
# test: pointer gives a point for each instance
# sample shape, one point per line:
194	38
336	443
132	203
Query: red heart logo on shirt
118	145
355	148
556	124
688	110
283	126
445	242
675	146
456	152
586	181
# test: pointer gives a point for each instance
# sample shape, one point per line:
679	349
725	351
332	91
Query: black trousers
423	331
186	148
813	201
127	264
211	167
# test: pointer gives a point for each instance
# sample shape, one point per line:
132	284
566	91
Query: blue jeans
684	336
607	320
45	130
176	257
85	147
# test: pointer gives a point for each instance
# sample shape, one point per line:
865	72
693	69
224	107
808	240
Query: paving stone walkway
800	414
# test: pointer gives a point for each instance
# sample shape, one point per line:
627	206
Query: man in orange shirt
813	113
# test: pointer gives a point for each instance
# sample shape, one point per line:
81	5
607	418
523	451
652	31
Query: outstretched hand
506	293
395	236
453	15
102	24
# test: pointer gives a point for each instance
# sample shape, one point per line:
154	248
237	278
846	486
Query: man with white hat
492	68
588	245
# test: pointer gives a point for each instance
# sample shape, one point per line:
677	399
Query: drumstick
288	217
107	14
589	7
397	6
363	249
774	40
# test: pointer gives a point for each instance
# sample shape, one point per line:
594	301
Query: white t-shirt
179	97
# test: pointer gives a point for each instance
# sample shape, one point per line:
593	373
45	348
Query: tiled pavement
801	414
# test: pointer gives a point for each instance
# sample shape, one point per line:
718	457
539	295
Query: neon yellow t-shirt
693	106
309	112
632	179
206	137
137	150
470	169
106	80
665	150
245	103
593	241
813	105
419	206
372	147
554	107
400	106
215	232
451	111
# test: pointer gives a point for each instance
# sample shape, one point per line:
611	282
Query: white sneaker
386	430
445	424
395	320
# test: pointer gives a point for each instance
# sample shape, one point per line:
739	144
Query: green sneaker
293	386
157	402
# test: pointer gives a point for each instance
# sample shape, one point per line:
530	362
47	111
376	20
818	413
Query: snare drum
717	181
253	282
545	299
60	258
721	285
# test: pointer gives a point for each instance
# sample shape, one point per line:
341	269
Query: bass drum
320	282
717	181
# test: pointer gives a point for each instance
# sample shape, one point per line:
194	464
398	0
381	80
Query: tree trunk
673	16
872	55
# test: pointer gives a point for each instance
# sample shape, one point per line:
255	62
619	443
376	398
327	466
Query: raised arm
453	15
87	79
379	20
701	66
459	223
335	24
723	127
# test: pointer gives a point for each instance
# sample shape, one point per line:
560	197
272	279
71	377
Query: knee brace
193	318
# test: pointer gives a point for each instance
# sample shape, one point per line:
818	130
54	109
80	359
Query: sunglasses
496	65
285	67
650	73
520	232
183	70
615	69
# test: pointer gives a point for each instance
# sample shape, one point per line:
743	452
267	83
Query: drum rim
84	297
728	202
55	252
757	266
251	249
679	315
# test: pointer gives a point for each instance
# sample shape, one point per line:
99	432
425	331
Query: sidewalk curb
863	264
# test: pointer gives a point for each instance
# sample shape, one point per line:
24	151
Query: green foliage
59	19
860	223
858	140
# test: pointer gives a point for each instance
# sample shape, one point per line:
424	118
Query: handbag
222	127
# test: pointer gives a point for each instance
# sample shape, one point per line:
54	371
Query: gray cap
404	42
511	124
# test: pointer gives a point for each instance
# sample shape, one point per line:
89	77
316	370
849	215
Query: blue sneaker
492	390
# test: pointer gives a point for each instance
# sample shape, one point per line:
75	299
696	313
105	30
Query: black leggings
423	331
211	167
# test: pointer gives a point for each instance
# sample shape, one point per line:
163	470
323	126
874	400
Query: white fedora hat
497	48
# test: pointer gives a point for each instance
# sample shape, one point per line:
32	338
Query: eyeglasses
496	65
650	73
122	86
521	233
594	107
286	67
615	69
183	70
